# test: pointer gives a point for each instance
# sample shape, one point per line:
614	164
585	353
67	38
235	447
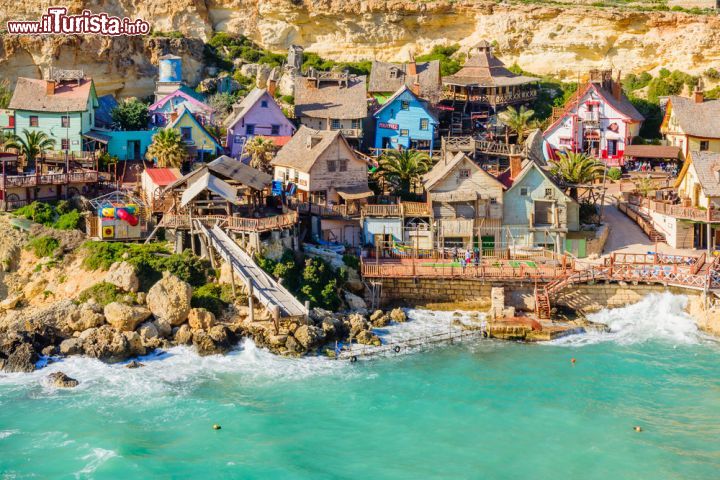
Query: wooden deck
237	224
37	180
402	209
677	211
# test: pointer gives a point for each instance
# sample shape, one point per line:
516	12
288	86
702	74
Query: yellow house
201	145
699	181
692	124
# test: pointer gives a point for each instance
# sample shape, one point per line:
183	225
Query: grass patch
103	293
43	246
212	297
59	215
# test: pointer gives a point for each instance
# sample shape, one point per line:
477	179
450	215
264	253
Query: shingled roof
69	96
305	147
707	168
697	119
331	99
383	80
483	69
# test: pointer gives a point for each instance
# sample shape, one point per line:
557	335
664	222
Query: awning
355	193
652	151
212	184
97	136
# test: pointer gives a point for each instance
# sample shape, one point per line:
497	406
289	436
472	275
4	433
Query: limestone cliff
557	39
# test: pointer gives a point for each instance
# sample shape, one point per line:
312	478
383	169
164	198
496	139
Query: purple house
257	115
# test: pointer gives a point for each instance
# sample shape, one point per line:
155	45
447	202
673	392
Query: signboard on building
389	126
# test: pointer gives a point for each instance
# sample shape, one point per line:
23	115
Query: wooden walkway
265	288
363	351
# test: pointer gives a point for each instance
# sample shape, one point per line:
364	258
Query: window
704	145
424	124
405	105
543	213
523	191
342	165
335	124
250	129
65	144
404	133
612	147
274	129
238	139
493	200
33	120
264	104
65	121
565	141
296	176
464	173
355	123
186	133
331	165
548	192
393	73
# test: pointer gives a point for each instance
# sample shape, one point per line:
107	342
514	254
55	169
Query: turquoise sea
485	410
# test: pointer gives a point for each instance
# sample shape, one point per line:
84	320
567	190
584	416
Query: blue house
405	121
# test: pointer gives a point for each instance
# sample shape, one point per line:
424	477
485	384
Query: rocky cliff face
563	40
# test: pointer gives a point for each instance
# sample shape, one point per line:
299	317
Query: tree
261	151
33	145
517	121
403	168
576	169
5	94
167	149
131	114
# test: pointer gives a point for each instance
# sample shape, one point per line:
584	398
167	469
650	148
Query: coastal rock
21	359
169	299
135	344
140	298
110	346
123	276
184	335
60	380
398	315
357	323
134	364
375	315
366	337
35	288
125	318
86	318
213	342
293	346
309	336
71	346
379	319
201	319
10	302
355	303
149	334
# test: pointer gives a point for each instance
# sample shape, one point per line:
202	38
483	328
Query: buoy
572	360
353	359
637	428
216	427
397	348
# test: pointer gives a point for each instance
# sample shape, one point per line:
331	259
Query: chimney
515	166
616	87
272	87
313	140
412	66
698	94
50	87
415	87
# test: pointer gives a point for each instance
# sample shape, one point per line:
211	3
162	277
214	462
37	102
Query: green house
63	108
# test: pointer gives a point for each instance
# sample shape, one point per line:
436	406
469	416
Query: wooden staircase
543	292
542	303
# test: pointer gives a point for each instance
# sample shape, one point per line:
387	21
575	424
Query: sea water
480	409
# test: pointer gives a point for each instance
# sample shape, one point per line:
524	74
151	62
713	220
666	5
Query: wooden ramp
265	288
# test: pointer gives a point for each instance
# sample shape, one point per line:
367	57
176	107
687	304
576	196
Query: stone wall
593	298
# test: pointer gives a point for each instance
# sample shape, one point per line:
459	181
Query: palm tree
518	121
167	149
33	145
261	151
576	169
403	168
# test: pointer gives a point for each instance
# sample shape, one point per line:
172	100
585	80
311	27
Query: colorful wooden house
598	120
335	101
201	145
62	107
466	201
117	216
536	210
153	181
129	144
164	110
257	114
423	78
405	121
692	124
7	120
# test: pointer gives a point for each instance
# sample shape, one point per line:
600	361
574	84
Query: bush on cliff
212	297
59	216
43	246
103	293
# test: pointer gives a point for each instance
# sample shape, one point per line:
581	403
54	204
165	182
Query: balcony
456	227
677	211
36	180
404	209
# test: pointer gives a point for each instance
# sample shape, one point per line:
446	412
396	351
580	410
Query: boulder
22	359
357	323
135	344
213	342
309	336
125	318
201	319
165	330
249	70
293	346
123	276
85	318
71	346
183	335
355	303
380	321
35	288
149	334
398	315
134	364
169	299
140	298
60	380
10	302
108	345
366	337
375	315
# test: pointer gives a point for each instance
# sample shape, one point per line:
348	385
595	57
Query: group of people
645	166
468	257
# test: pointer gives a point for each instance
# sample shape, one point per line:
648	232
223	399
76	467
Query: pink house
162	111
257	115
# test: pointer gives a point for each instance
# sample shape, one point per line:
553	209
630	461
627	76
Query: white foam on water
96	458
6	433
657	317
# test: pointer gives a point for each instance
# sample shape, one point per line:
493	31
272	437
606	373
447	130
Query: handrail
171	220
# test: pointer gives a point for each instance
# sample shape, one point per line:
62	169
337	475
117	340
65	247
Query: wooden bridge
473	145
237	224
266	289
354	352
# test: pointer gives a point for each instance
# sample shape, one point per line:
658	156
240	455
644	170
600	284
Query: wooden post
276	318
232	280
307	307
250	301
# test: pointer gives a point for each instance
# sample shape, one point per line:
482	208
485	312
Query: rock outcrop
60	380
125	318
169	300
123	276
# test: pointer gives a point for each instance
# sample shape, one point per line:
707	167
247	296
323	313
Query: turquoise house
64	109
537	212
129	145
405	121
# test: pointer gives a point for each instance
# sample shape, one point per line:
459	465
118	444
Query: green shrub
614	173
103	293
43	246
448	66
289	99
351	261
38	212
212	297
68	221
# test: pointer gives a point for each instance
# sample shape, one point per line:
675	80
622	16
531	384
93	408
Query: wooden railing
498	270
678	211
240	224
403	209
470	144
645	225
499	99
34	180
345	210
